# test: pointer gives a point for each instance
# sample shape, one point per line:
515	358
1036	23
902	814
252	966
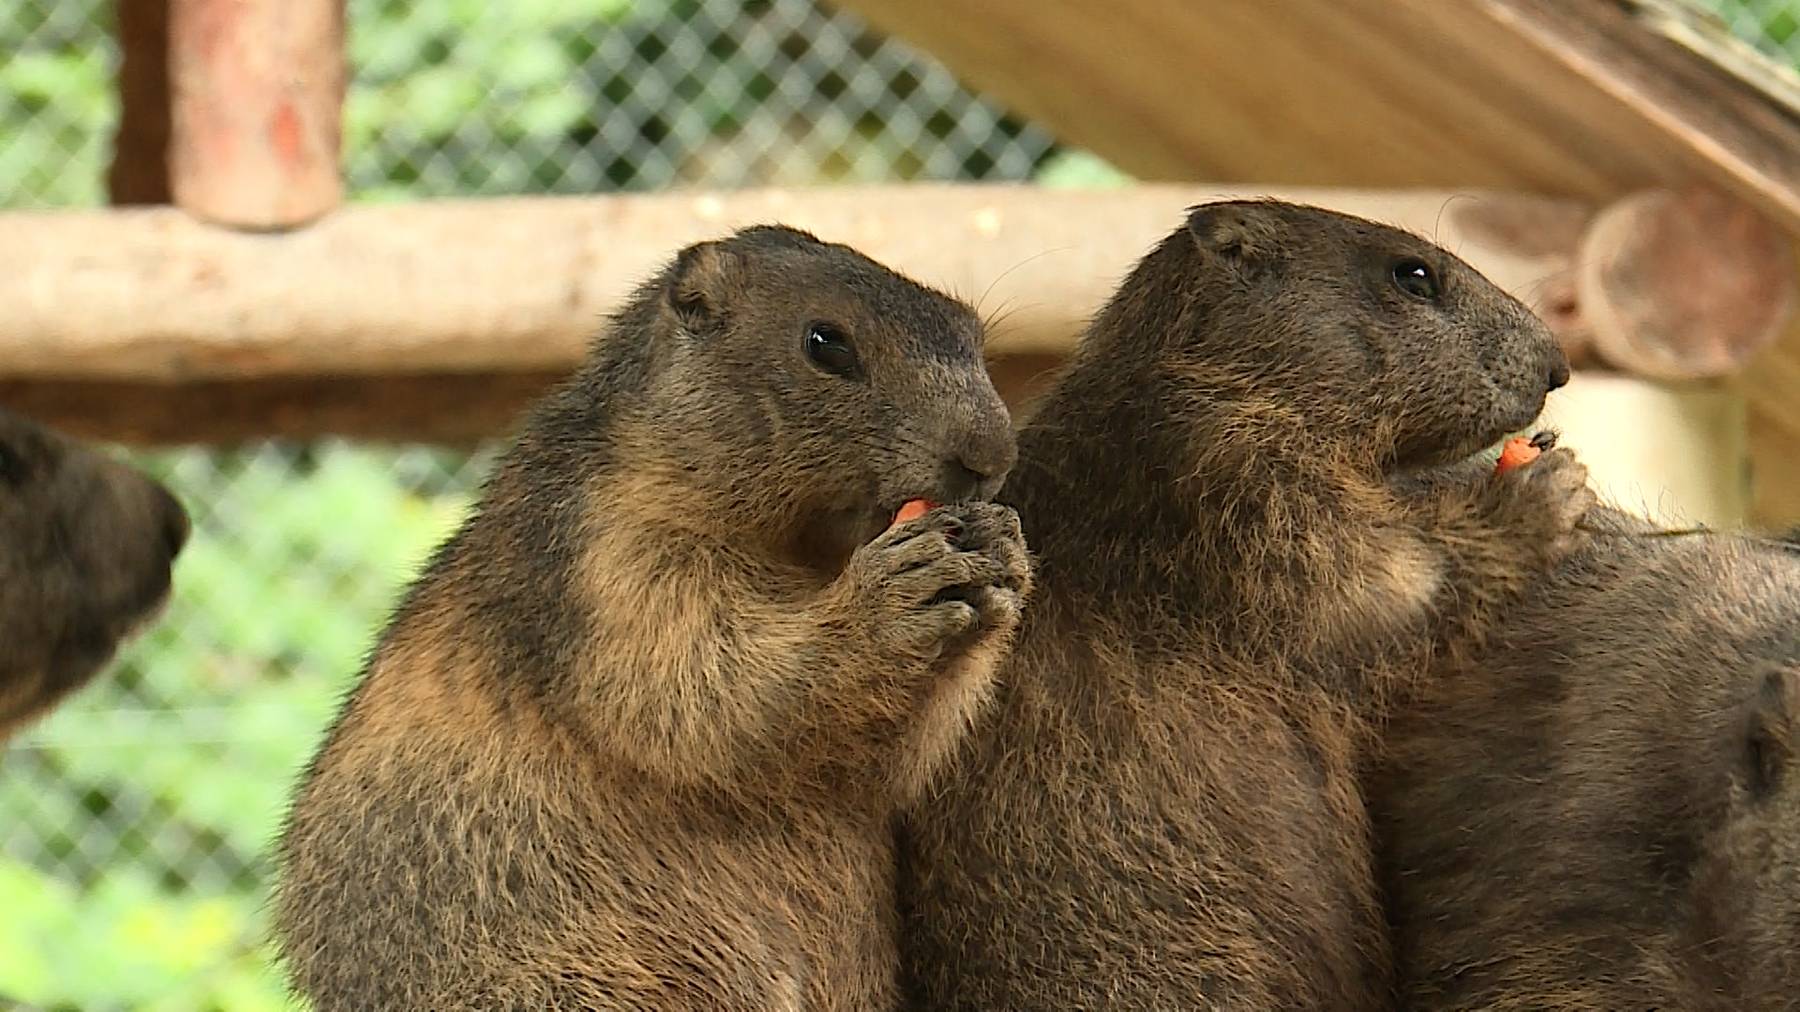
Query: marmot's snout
979	467
980	450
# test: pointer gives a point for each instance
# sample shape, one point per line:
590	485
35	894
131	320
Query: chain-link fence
1771	25
134	823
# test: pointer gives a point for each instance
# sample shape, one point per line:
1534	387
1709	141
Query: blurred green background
134	823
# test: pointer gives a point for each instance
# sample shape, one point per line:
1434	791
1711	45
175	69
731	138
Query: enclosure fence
135	822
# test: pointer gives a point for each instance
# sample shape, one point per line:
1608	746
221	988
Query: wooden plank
139	172
450	408
519	285
1719	127
258	96
454	409
1568	97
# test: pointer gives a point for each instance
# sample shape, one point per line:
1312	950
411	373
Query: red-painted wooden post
258	88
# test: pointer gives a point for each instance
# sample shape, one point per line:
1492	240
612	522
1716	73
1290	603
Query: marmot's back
1600	810
1165	810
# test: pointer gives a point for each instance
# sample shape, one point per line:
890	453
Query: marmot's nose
175	523
980	467
1559	373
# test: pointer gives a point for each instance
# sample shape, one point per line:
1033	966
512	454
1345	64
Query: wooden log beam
508	285
258	94
453	409
520	284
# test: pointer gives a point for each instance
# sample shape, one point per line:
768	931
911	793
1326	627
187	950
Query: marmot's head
1356	327
806	388
86	546
1746	884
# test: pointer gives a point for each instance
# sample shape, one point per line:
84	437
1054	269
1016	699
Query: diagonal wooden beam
1568	97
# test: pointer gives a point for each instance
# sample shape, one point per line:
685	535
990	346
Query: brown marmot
635	738
1163	809
86	548
1603	810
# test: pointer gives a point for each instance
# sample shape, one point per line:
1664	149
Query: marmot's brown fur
1163	810
86	546
1602	811
635	738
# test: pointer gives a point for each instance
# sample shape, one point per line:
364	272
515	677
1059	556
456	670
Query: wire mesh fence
135	822
1771	25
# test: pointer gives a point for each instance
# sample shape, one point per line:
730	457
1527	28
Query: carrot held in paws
1520	451
913	509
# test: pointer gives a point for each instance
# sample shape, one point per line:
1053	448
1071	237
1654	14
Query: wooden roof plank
1569	97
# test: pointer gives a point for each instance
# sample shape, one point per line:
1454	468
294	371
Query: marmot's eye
830	350
1417	278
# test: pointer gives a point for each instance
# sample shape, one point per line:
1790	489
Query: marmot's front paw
993	530
926	584
1543	501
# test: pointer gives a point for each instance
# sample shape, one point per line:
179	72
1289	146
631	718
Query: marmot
86	550
1602	811
1163	809
635	737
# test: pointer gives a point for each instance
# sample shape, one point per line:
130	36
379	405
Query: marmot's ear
700	286
1235	231
1773	730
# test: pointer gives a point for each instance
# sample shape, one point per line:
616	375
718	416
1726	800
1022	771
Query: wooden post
258	98
139	173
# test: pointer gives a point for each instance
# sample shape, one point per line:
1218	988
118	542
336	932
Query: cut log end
1684	284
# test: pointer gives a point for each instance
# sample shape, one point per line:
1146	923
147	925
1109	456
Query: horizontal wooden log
452	409
511	285
1774	472
520	284
1676	451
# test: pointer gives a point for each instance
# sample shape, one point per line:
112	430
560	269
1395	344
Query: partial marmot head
86	546
802	390
1362	331
1746	884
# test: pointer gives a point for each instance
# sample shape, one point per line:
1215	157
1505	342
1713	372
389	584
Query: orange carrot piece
913	509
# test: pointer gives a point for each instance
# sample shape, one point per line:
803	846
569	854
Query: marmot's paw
1544	501
993	530
927	583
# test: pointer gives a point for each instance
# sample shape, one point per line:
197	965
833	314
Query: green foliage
1079	170
57	109
447	75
